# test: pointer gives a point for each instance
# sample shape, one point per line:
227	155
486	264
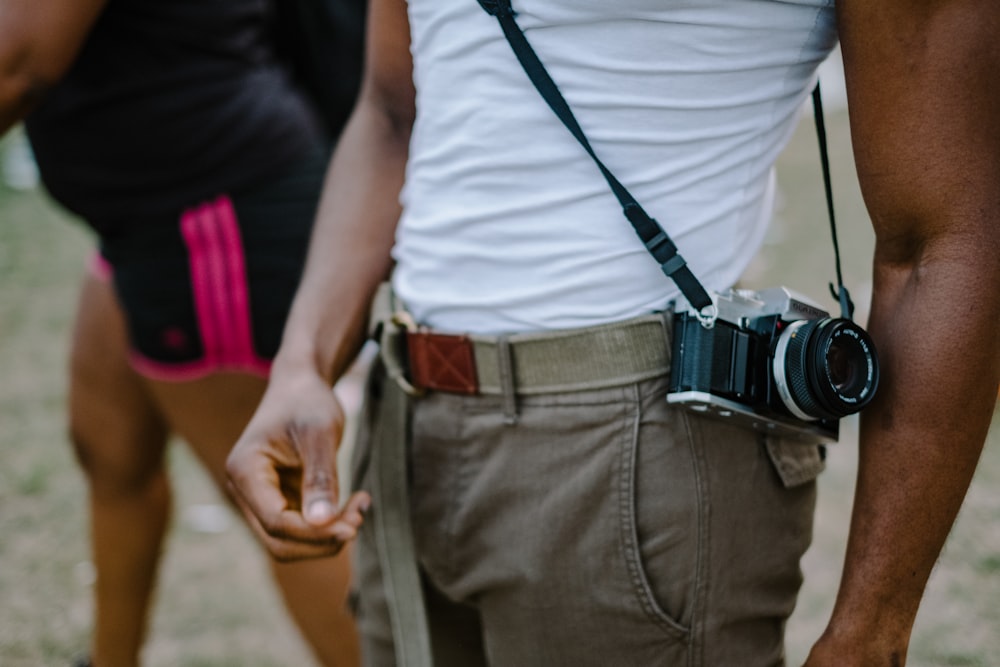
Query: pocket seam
632	412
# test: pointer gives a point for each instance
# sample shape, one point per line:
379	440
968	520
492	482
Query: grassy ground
216	606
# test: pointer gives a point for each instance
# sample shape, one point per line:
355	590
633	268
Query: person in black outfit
177	133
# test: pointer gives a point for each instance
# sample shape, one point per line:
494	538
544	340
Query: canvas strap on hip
393	532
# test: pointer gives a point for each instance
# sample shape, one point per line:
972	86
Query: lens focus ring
825	368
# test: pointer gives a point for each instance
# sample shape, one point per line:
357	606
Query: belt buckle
401	321
442	362
404	320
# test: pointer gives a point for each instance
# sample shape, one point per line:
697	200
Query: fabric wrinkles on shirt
508	226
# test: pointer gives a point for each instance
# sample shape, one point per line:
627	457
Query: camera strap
839	293
653	236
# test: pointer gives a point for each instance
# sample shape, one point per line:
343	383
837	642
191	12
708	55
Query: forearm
349	252
936	327
924	98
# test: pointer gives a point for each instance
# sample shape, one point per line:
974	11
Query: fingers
284	550
288	537
320	491
275	499
355	509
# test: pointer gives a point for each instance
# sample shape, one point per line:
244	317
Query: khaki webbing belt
576	360
605	355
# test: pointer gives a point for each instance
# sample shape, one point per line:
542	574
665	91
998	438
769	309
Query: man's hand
283	471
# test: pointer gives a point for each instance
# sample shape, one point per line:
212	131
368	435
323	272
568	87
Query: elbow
22	82
396	118
954	220
393	104
901	246
970	241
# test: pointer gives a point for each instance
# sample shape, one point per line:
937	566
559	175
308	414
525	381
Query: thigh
608	527
760	496
115	425
533	525
455	628
209	413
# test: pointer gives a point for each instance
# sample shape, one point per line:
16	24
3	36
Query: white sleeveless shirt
508	226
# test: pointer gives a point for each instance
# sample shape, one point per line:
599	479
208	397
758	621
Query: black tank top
169	102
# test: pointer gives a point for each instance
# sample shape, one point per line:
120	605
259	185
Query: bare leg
118	423
119	440
210	414
316	593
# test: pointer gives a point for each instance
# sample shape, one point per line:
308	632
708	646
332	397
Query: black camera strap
656	240
839	293
649	230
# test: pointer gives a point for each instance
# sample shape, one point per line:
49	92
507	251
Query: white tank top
508	226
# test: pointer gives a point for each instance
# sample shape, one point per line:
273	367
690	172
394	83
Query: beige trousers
604	527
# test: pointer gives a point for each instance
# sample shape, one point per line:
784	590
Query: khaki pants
605	527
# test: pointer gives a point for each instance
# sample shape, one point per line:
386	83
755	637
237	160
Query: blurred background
216	605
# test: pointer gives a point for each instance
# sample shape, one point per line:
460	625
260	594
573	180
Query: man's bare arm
299	422
39	40
349	251
924	96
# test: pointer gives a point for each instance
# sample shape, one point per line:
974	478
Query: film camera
773	361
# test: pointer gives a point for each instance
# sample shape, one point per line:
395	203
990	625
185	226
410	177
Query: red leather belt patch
442	362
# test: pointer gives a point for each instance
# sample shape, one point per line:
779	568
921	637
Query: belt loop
667	316
506	367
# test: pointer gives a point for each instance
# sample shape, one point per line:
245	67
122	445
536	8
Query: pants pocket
758	500
662	519
715	518
796	463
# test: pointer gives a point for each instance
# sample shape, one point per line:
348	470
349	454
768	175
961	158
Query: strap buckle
392	343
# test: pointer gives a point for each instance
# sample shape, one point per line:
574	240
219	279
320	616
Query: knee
118	464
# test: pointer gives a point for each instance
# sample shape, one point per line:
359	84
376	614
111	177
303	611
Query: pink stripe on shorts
221	298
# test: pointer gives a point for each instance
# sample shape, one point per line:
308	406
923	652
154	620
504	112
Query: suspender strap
660	246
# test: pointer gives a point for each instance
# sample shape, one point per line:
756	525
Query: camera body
775	362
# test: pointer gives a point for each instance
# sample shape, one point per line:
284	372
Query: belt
604	355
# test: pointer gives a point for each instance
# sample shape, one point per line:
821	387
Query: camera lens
841	367
825	368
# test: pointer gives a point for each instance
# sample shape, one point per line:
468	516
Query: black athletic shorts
210	291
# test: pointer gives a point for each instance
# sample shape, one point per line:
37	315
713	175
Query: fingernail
364	504
344	533
320	511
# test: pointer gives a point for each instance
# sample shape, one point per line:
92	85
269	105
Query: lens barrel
825	368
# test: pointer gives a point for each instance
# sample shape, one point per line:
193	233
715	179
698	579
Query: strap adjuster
497	7
673	265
